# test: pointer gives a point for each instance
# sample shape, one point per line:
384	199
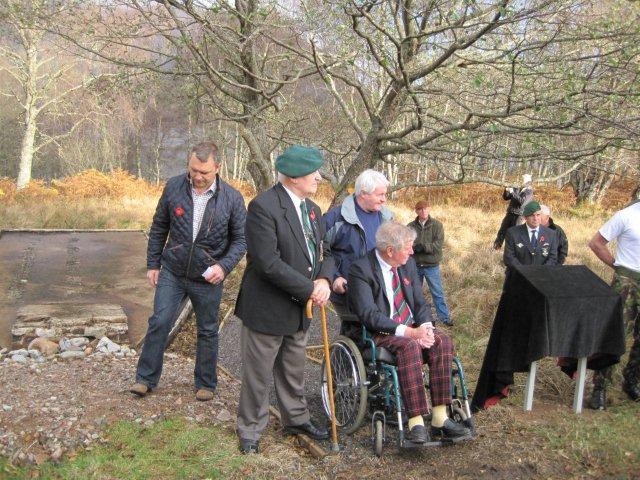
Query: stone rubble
55	320
50	409
41	349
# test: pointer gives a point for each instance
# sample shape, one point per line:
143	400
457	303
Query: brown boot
139	389
203	395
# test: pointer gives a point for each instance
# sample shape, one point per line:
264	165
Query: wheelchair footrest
408	444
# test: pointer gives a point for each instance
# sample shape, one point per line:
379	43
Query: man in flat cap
286	267
518	198
530	243
427	252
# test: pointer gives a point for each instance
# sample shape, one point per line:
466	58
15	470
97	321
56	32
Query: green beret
298	161
531	208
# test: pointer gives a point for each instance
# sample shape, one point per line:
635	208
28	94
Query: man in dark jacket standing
195	240
427	252
530	243
286	267
518	198
563	241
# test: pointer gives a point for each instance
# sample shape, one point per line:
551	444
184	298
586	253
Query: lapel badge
519	245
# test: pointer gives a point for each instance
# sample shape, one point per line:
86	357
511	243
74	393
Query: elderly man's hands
321	292
422	334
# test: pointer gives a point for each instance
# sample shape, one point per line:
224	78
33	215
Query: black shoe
632	390
598	400
418	434
448	322
309	429
249	446
450	430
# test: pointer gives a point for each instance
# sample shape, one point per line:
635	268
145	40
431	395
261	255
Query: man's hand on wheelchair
321	292
340	285
422	334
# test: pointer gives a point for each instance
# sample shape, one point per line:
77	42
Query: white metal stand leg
531	381
578	396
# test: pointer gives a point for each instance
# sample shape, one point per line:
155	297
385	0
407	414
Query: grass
172	449
608	441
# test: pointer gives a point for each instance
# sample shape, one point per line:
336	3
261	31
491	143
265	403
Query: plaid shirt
200	201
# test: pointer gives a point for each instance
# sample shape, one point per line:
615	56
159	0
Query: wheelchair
365	381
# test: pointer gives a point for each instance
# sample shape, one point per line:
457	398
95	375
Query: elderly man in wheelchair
395	331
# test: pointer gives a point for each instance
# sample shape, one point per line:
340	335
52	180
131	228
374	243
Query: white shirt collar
384	265
294	198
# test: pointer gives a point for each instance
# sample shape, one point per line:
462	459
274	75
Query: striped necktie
308	231
402	314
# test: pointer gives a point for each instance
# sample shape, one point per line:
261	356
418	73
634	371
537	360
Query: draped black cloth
561	311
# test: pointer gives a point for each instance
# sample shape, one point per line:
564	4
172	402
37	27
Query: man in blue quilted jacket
195	240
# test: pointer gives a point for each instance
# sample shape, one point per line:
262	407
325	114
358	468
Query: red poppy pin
312	215
406	281
179	211
542	238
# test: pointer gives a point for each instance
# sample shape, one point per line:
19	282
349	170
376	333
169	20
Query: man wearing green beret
531	243
286	267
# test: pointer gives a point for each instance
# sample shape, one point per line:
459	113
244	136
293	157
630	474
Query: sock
439	415
417	420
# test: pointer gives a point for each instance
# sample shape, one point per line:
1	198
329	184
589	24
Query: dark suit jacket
518	249
368	299
278	279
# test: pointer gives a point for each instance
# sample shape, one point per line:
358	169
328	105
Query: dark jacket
279	276
220	240
518	199
518	249
427	246
368	299
563	241
345	238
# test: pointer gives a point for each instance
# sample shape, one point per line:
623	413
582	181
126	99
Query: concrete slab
74	267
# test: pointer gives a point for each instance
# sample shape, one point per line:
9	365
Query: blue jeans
170	292
432	275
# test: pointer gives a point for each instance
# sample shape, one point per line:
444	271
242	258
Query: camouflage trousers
627	284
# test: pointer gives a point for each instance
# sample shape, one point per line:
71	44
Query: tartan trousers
409	357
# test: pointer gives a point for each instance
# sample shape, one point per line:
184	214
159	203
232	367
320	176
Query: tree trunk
26	152
259	166
589	184
27	149
367	157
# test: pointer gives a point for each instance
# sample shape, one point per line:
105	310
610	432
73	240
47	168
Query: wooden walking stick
327	363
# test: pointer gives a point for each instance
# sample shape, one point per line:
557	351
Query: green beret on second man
531	208
298	161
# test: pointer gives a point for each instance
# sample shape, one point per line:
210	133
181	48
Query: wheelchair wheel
349	388
378	438
457	412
